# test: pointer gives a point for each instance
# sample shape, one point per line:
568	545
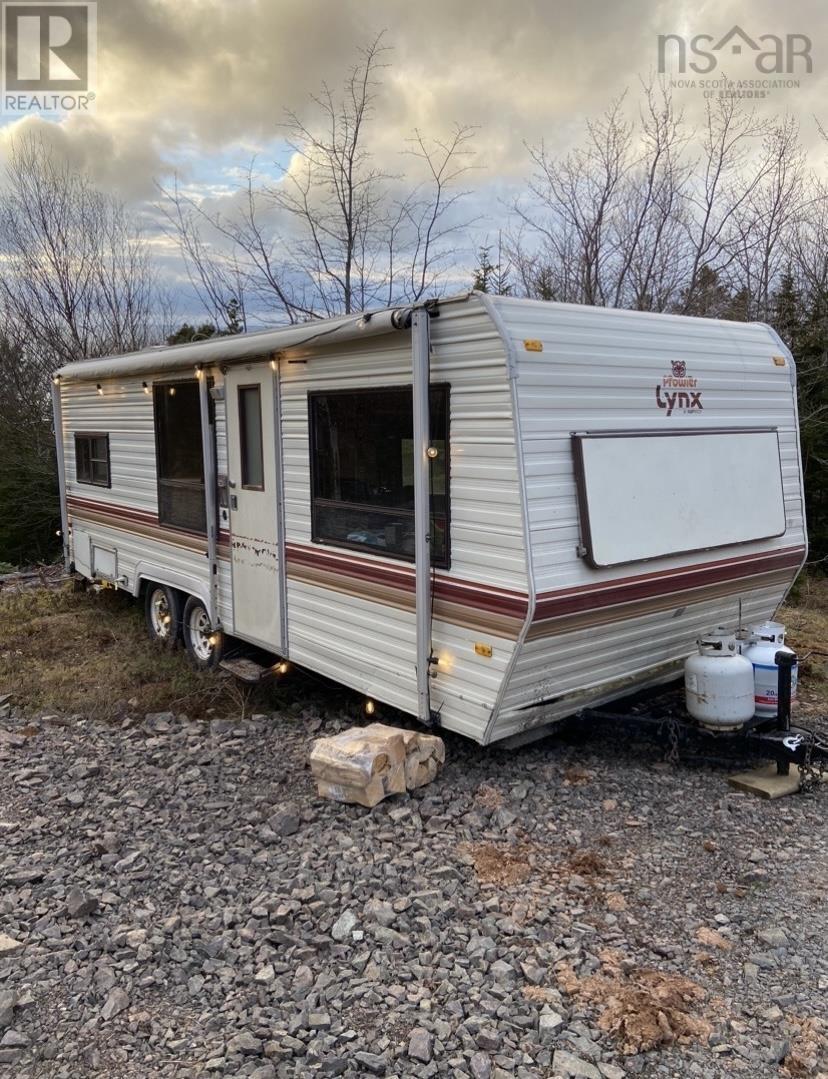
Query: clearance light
99	388
369	707
283	667
145	387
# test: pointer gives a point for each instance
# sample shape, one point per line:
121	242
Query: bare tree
723	183
335	192
428	228
78	279
216	276
332	233
632	219
648	225
572	202
808	244
763	224
603	224
810	240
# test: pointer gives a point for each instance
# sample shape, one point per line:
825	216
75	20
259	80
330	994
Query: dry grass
809	1047
89	653
588	863
639	1007
503	865
540	994
577	777
711	938
616	901
807	633
488	797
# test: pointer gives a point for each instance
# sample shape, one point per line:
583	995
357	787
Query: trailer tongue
775	739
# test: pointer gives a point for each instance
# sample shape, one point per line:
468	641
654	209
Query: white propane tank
718	682
767	639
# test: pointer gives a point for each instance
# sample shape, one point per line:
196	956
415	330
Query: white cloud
198	87
183	80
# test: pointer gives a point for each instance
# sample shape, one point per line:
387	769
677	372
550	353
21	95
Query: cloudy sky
196	87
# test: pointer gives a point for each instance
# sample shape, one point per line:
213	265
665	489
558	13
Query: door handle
234	502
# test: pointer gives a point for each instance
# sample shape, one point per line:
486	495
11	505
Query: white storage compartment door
644	495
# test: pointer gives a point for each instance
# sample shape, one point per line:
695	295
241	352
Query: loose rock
116	1002
80	905
567	1066
343	926
419	1045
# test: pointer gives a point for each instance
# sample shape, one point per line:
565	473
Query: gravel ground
176	901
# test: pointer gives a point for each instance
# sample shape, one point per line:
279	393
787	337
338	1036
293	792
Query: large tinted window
362	450
179	455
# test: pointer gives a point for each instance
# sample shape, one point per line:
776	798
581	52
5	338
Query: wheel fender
184	582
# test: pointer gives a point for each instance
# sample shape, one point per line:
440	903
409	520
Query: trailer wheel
162	607
205	646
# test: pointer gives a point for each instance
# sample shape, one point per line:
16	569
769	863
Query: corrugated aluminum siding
125	413
598	371
369	645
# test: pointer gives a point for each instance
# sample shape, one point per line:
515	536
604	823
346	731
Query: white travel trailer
487	512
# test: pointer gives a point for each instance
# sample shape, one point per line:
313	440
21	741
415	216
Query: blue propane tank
767	639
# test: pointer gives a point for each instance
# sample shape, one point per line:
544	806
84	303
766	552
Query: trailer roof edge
239	348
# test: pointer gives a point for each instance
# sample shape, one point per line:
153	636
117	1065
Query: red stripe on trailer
134	516
561	602
450	590
649	585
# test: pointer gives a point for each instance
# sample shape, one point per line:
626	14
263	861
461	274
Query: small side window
92	459
250	436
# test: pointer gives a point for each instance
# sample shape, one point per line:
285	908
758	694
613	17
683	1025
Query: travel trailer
487	512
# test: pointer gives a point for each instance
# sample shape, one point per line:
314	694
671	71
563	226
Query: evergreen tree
29	500
490	276
710	298
802	323
233	315
544	284
186	333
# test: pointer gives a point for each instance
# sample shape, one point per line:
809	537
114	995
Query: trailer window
362	470
92	459
250	437
179	455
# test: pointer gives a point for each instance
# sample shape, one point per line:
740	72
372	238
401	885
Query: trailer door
254	477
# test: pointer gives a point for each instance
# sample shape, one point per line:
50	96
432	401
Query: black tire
162	608
205	647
